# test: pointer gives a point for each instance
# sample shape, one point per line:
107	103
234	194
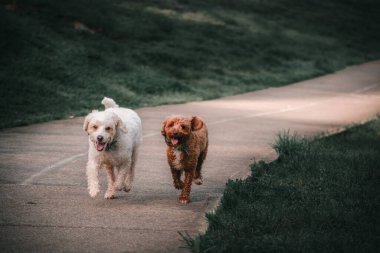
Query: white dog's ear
87	121
122	126
119	123
196	123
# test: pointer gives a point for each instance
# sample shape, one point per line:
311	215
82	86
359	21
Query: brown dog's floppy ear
196	123
163	132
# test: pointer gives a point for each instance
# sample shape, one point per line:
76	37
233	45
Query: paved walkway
45	206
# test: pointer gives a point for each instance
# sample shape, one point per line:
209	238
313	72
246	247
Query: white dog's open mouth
100	145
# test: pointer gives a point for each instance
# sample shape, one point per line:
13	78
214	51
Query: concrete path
45	206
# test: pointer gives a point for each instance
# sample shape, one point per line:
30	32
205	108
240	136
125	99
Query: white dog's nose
100	138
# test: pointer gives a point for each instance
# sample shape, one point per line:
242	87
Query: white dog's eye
95	127
108	128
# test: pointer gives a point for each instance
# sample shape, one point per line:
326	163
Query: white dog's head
102	128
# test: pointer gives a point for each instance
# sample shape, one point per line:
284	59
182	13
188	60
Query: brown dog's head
176	129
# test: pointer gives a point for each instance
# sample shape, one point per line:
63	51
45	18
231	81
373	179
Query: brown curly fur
188	154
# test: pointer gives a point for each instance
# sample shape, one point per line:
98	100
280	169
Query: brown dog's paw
198	181
178	185
184	200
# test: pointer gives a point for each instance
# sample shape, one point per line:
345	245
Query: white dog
114	137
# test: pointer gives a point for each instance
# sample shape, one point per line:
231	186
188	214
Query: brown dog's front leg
176	174
184	198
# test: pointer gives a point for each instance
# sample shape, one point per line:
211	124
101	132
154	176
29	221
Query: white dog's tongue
174	141
99	146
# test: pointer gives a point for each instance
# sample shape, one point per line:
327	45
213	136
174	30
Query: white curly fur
121	127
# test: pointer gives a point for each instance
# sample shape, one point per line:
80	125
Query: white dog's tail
109	103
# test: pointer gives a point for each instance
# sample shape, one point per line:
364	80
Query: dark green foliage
323	197
155	52
288	145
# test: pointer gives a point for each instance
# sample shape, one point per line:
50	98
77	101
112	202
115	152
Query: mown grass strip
59	58
320	195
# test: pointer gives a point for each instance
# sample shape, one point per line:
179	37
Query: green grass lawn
320	195
154	52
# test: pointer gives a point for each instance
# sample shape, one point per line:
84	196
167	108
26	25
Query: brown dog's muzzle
175	140
168	141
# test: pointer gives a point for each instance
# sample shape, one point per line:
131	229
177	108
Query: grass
59	58
321	195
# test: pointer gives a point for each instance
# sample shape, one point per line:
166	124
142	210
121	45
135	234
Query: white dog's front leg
131	172
92	178
124	170
110	193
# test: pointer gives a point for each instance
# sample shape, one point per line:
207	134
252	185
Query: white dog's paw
123	188
93	191
109	195
118	187
127	188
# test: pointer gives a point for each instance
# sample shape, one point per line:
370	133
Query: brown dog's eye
171	124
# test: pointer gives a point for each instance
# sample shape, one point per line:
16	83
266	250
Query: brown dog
187	142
